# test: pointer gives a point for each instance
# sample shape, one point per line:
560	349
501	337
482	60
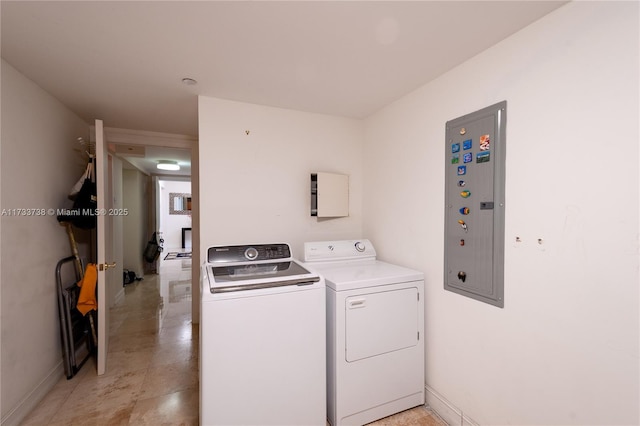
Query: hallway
152	363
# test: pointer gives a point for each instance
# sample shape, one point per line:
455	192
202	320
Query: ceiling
124	61
146	158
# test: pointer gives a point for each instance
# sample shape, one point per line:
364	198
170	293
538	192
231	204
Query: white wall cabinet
329	195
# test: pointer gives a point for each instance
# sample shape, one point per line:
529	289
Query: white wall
171	224
134	199
39	166
255	188
564	350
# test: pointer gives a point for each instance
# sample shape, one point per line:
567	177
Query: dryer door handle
358	303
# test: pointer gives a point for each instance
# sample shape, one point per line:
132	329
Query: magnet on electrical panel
483	157
485	142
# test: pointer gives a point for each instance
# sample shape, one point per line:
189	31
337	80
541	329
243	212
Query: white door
104	244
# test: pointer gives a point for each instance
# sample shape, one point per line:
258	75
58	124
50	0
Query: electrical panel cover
475	204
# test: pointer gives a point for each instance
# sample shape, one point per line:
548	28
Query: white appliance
375	332
262	339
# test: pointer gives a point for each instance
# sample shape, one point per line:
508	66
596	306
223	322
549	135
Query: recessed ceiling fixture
189	81
168	165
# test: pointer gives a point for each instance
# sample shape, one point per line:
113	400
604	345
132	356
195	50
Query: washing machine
375	332
262	339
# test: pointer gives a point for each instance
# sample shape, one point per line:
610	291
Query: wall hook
247	132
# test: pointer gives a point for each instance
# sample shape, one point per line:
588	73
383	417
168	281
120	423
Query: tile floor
152	365
419	416
152	362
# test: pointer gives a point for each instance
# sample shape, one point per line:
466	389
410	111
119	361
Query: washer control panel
322	251
251	253
244	253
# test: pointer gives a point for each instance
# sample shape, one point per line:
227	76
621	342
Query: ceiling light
189	81
168	165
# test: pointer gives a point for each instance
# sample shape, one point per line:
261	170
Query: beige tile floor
152	362
152	365
419	416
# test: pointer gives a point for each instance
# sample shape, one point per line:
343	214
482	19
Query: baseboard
447	411
451	414
31	400
466	421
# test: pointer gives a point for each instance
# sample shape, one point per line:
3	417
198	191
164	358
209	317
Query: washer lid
257	275
341	276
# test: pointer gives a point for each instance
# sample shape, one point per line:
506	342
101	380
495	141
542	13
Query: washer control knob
360	246
251	253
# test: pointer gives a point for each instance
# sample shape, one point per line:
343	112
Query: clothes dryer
375	332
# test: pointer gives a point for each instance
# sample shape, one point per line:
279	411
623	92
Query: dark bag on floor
128	277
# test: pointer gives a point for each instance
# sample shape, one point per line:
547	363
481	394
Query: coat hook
247	132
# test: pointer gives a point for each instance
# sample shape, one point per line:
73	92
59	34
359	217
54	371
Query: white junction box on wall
329	195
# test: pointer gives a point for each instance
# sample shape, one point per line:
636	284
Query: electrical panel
475	204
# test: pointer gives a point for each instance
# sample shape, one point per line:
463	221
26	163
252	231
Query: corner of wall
31	400
443	408
451	414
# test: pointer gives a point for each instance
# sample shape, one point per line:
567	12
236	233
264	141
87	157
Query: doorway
140	152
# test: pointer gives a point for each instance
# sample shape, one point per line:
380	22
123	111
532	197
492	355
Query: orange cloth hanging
87	299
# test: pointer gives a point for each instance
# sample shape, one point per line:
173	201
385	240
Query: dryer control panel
328	251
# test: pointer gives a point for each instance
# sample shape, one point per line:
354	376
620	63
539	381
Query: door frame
114	136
